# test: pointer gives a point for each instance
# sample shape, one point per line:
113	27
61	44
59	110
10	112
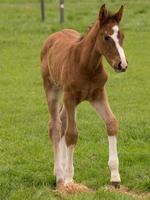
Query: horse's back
66	36
71	34
55	50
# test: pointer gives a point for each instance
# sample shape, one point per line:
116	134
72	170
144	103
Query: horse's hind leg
71	135
62	141
66	152
54	128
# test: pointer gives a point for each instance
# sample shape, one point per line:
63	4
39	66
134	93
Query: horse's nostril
119	66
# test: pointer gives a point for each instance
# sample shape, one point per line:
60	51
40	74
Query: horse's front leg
71	134
103	109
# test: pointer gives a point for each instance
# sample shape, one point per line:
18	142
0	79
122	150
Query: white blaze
114	36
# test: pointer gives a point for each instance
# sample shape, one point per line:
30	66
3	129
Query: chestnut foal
73	64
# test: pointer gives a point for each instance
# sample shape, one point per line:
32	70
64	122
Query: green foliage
26	163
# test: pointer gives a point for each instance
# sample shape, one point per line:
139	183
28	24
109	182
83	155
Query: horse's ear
102	13
119	14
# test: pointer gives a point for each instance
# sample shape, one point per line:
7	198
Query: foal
73	65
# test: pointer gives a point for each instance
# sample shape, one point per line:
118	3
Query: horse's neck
90	58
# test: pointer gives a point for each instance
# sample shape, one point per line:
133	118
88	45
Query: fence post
61	11
42	10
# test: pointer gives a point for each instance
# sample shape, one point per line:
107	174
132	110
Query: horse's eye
107	38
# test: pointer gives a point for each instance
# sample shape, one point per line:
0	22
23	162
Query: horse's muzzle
119	68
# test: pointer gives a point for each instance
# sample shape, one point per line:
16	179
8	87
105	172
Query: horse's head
110	39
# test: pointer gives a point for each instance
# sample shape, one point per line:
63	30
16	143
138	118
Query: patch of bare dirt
73	188
128	192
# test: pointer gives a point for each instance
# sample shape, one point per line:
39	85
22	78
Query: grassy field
26	164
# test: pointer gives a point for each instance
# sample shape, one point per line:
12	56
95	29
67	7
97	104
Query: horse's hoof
116	184
54	182
59	184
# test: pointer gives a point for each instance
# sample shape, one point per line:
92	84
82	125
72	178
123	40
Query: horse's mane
87	31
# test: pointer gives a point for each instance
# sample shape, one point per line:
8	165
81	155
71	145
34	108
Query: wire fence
61	10
61	5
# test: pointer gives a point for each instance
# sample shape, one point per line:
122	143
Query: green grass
26	164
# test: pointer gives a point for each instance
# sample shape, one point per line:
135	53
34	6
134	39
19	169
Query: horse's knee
71	137
112	127
54	131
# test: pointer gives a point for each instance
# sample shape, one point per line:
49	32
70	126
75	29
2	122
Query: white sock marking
58	170
114	36
63	152
70	167
66	160
113	159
